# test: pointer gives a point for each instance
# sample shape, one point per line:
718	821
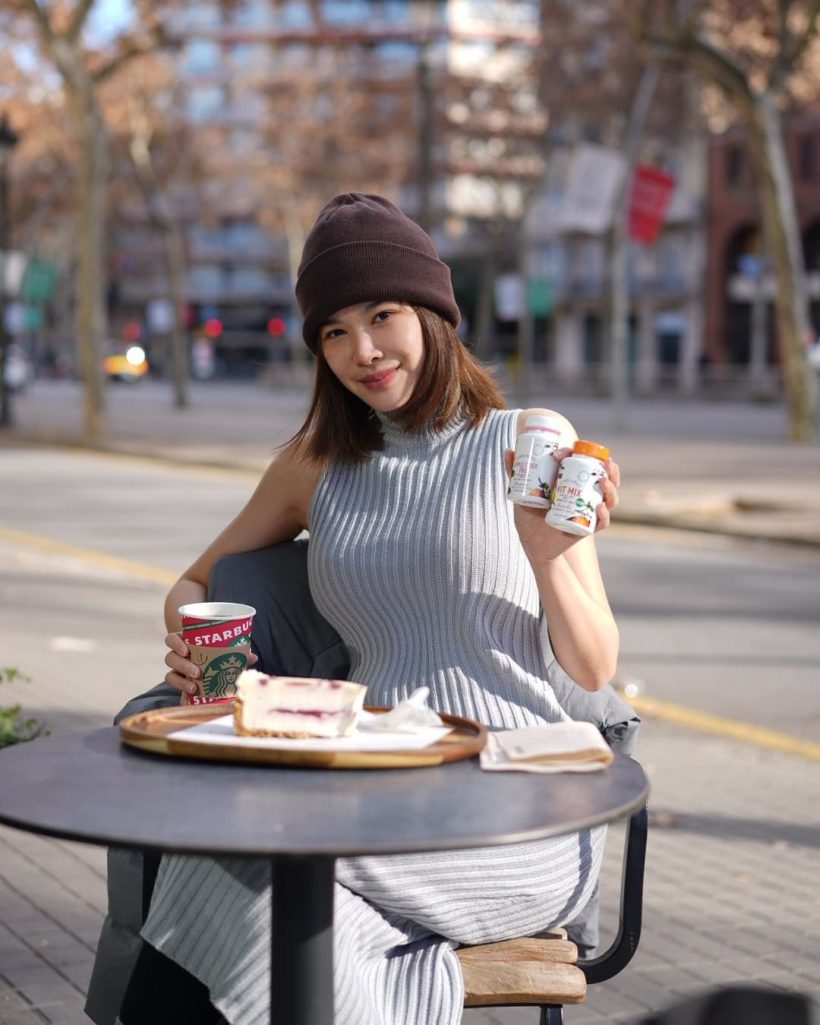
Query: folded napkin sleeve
551	747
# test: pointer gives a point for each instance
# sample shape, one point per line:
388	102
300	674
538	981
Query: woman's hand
609	489
183	673
543	542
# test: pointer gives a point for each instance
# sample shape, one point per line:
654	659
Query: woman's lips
381	379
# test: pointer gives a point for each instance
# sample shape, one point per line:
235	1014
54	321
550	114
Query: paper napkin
409	716
552	747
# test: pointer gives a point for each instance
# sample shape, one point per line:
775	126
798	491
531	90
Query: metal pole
425	216
5	397
618	253
302	940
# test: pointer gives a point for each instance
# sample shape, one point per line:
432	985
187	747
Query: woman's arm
276	511
582	629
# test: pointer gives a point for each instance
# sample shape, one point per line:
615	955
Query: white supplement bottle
534	464
576	496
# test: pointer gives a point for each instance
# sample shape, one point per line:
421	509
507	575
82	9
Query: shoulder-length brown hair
340	427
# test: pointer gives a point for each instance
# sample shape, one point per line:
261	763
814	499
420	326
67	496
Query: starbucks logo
219	678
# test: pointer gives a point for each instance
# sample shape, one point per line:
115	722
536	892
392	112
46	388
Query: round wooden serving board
149	731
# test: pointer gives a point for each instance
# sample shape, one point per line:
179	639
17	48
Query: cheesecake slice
295	706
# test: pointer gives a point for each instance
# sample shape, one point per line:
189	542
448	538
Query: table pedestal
302	940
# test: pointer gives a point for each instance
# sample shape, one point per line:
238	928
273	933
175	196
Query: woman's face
376	350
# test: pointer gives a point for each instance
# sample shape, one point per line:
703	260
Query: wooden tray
149	731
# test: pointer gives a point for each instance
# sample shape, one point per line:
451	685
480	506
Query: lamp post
8	140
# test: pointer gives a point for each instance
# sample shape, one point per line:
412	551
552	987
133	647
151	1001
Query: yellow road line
737	730
129	566
665	710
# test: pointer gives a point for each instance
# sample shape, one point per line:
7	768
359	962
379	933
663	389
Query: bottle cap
590	448
540	421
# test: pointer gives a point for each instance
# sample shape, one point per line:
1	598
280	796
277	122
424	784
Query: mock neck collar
396	436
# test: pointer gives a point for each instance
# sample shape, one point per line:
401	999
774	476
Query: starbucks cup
218	635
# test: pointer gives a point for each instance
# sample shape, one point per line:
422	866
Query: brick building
739	336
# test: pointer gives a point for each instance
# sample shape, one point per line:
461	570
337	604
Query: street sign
594	178
39	281
649	195
539	297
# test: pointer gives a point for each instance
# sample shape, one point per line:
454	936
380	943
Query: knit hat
363	248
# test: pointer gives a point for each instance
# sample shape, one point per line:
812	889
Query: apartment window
294	14
206	102
734	167
253	14
201	55
350	12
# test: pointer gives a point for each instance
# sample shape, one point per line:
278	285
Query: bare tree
599	85
159	150
343	128
755	53
59	30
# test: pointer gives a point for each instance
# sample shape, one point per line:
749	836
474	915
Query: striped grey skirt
397	922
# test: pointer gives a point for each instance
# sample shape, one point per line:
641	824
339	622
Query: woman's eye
383	315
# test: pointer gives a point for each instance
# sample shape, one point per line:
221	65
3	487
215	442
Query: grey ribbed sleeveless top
415	560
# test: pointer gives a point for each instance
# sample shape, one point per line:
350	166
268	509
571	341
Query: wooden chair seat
534	970
544	970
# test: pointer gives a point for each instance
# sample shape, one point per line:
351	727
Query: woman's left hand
609	489
545	542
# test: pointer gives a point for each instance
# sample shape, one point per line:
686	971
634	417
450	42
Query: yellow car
128	366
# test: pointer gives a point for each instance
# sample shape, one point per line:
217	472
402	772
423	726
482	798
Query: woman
431	578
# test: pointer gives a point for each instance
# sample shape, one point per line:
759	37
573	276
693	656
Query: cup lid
216	610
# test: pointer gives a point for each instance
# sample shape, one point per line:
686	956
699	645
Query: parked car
19	371
128	366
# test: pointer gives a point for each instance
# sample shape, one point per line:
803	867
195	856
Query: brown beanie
363	248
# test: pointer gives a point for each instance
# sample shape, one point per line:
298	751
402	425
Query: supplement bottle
576	496
534	464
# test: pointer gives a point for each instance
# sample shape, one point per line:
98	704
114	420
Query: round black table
90	787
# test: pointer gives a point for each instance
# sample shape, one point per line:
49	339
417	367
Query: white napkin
552	747
409	716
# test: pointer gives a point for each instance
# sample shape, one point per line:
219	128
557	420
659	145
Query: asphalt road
720	625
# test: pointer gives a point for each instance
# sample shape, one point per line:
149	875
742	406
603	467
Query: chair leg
614	960
552	1014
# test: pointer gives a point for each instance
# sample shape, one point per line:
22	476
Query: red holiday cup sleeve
216	633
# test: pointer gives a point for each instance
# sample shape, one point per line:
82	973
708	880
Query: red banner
648	199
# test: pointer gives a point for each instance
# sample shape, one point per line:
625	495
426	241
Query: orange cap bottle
590	448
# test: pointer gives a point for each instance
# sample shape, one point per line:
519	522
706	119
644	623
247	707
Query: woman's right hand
182	674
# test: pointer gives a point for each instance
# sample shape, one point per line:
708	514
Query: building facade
739	339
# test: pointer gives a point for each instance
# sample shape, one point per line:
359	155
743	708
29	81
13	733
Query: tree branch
685	44
40	14
800	42
78	18
134	47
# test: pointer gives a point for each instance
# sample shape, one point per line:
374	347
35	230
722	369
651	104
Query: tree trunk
90	320
617	251
295	235
173	249
782	235
482	330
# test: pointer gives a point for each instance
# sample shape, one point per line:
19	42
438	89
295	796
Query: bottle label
576	496
534	469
